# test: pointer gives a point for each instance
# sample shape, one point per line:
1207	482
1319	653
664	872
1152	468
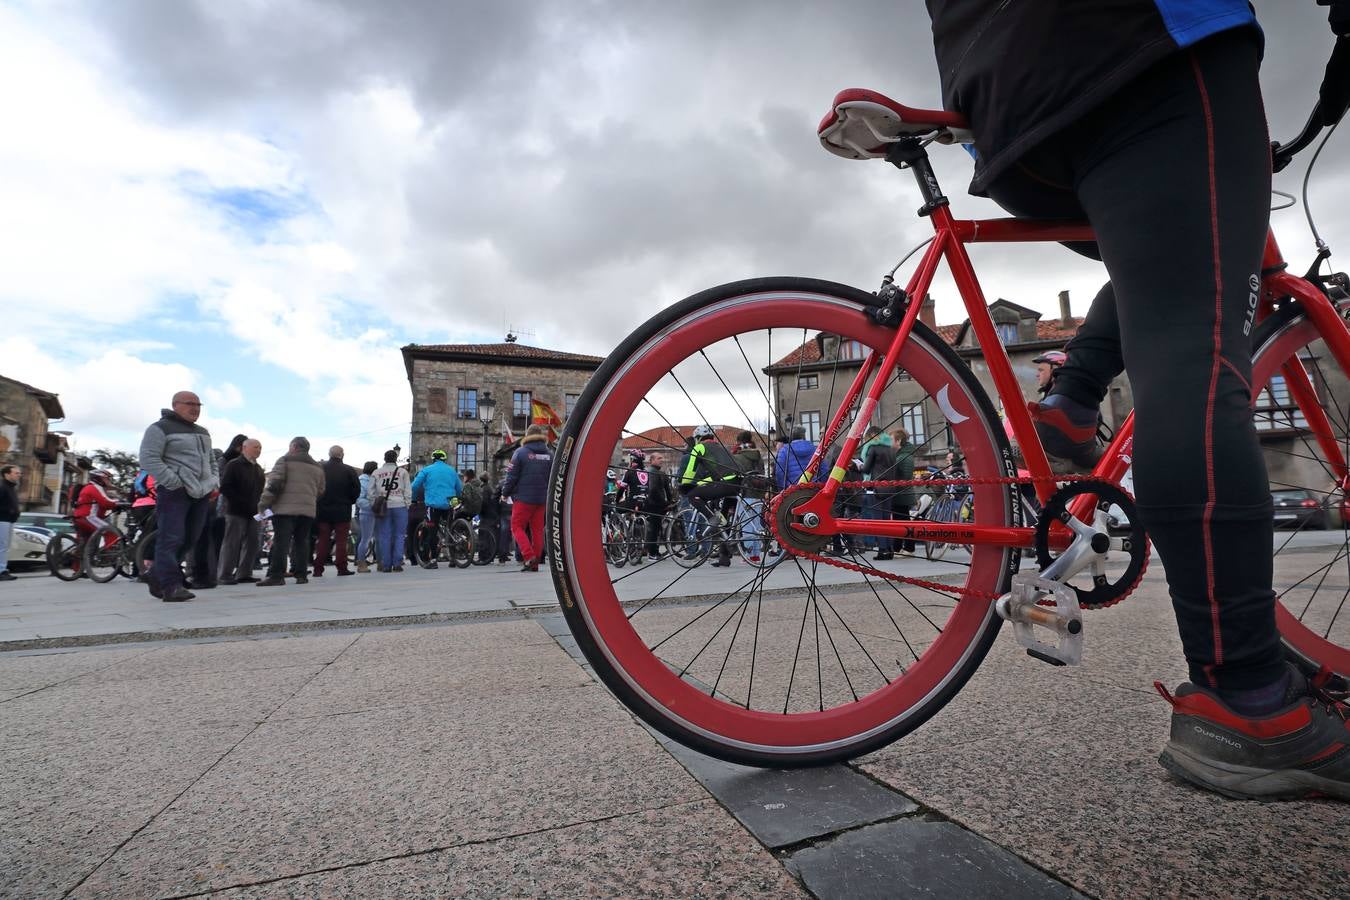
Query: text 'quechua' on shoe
1300	750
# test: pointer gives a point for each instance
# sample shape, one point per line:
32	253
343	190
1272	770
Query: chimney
1065	311
928	311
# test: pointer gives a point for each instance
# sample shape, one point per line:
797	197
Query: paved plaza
448	741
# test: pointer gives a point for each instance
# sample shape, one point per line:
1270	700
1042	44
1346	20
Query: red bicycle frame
950	238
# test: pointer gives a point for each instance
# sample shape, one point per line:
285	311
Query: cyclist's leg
1184	151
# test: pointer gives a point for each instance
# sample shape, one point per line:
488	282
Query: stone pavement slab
675	852
916	857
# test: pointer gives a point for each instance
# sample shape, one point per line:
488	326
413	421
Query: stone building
26	441
453	385
806	378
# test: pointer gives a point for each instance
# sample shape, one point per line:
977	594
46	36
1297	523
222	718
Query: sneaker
1068	430
272	582
430	565
398	568
348	572
1299	750
246	579
229	581
302	580
177	595
7	576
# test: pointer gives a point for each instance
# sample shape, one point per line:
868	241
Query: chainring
1104	592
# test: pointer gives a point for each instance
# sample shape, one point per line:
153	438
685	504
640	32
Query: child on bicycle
93	503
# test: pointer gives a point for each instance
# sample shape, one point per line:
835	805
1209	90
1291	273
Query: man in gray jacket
177	452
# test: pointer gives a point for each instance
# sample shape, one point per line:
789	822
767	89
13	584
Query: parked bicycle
831	671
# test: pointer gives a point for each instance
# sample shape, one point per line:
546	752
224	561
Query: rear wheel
800	669
63	556
427	541
103	554
1311	568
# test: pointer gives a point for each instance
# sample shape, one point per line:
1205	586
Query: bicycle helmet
704	431
438	454
638	457
1055	358
102	476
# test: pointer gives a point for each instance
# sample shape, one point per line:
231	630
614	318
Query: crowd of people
211	510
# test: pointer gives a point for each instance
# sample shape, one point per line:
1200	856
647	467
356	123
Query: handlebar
1282	155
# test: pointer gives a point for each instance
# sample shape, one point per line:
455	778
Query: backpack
73	495
471	497
141	487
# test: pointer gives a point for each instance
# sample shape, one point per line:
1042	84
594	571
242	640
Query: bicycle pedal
1064	620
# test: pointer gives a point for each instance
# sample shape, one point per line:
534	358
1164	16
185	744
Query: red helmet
1054	358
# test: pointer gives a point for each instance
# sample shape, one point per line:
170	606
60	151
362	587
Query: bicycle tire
633	642
613	537
102	558
459	548
1309	578
939	512
485	547
427	542
64	556
690	552
145	553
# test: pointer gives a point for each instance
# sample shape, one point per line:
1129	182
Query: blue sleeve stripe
1191	21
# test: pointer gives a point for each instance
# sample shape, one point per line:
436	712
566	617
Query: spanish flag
543	414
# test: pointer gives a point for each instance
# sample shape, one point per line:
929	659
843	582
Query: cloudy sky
263	201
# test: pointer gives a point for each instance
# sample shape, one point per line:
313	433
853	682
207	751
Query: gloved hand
1338	15
1334	94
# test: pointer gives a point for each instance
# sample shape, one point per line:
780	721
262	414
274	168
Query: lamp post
486	407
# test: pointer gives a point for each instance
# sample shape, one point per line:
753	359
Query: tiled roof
512	350
666	437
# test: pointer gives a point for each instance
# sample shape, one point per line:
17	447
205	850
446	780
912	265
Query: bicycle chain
914	482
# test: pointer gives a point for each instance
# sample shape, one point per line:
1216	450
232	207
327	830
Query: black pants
290	534
180	519
706	498
1173	173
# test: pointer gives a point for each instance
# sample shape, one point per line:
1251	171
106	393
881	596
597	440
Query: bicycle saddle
862	124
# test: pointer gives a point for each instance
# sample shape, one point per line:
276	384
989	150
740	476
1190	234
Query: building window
852	350
1007	333
811	422
808	382
467	408
1275	408
520	404
466	456
569	404
911	419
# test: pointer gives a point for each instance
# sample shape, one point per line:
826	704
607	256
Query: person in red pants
527	485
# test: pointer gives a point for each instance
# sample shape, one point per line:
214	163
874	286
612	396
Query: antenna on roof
513	334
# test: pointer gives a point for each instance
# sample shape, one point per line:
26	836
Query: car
1298	508
49	520
28	547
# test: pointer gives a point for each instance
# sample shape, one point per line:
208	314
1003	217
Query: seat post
910	153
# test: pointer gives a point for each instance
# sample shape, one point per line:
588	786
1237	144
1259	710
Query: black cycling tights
1173	173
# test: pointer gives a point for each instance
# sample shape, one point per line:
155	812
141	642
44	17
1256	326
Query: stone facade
448	381
26	442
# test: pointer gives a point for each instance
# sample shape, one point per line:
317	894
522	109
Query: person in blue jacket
527	483
793	459
440	485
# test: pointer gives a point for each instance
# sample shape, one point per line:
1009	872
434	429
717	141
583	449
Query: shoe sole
1247	783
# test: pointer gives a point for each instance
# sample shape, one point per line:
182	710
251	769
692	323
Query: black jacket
241	484
9	501
341	487
879	465
1021	71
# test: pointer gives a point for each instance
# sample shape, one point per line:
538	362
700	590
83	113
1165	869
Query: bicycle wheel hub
785	518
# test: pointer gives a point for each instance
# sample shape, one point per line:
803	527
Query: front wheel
1301	441
103	554
796	670
460	549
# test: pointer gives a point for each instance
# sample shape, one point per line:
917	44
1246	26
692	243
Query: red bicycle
825	657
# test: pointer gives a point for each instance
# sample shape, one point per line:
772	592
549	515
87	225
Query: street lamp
486	407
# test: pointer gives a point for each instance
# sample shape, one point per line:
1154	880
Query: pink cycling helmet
1053	357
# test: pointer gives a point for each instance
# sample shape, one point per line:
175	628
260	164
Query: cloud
222	396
